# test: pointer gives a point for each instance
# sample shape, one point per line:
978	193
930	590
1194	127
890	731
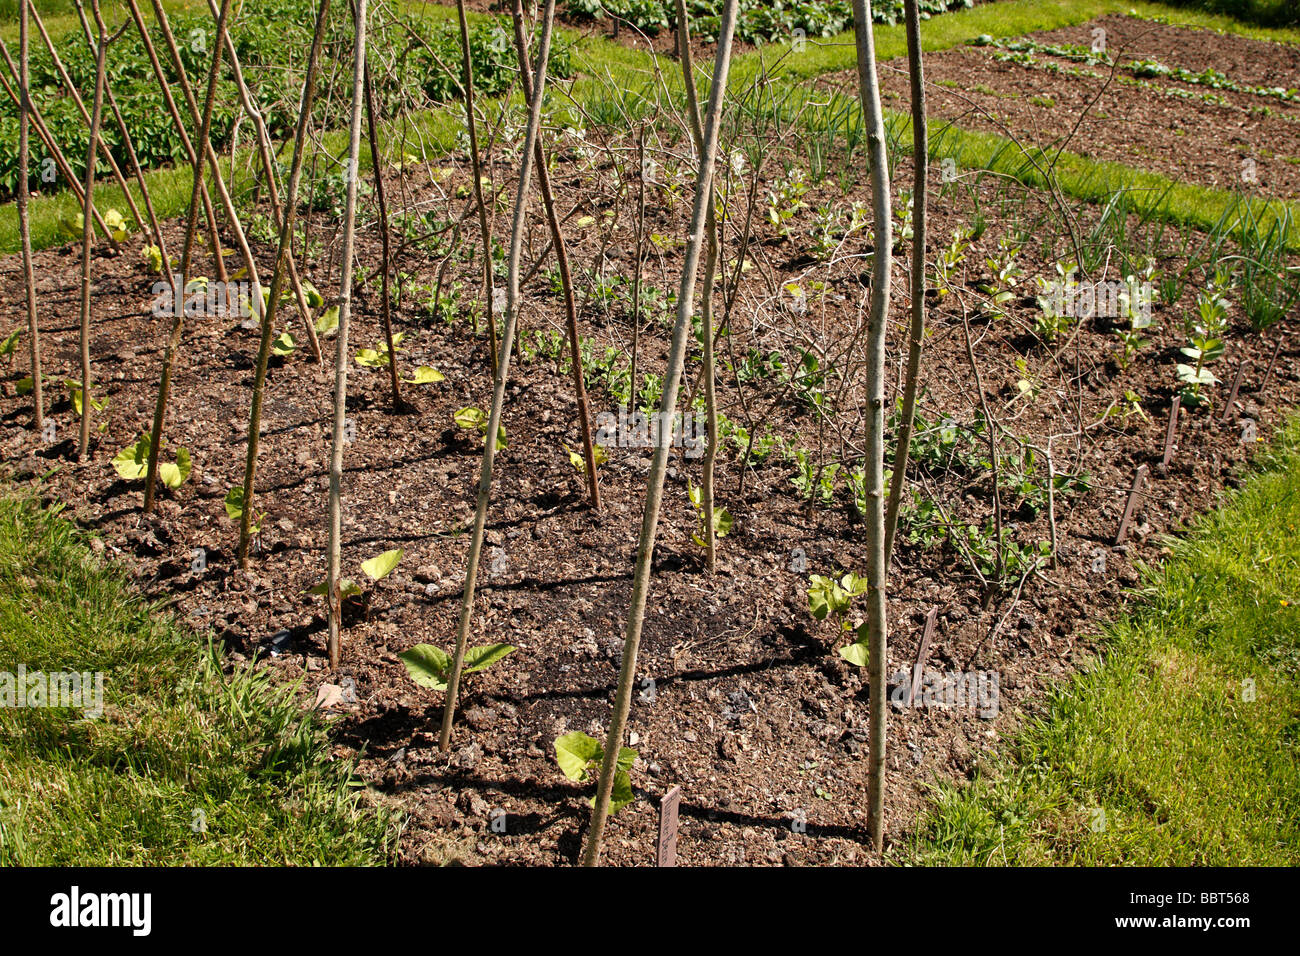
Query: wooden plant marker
1232	395
922	653
1138	478
1169	435
667	848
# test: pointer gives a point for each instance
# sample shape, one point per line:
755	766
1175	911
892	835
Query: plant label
1170	432
667	847
922	652
1232	394
1138	479
1249	435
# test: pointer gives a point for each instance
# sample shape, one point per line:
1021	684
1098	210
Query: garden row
415	61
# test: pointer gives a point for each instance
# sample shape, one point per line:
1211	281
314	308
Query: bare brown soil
1140	122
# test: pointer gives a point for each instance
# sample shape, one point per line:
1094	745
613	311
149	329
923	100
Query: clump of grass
1179	748
187	765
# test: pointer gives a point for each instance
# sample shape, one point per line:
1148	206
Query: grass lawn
1180	747
186	765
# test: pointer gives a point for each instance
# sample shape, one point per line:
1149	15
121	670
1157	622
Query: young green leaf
381	565
152	256
428	666
116	224
284	344
347	588
11	342
481	658
575	752
132	462
174	475
424	375
328	322
470	418
235	503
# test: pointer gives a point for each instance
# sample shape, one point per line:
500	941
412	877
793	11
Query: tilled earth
1158	124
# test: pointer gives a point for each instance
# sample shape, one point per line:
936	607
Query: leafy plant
475	419
430	666
425	375
579	462
376	568
284	345
235	509
327	323
580	756
379	356
722	519
74	394
132	463
1205	344
831	597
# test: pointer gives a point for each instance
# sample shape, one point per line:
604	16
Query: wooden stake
1138	478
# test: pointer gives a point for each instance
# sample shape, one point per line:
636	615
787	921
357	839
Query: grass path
1180	747
185	766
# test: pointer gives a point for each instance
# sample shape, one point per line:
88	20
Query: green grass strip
186	766
1180	746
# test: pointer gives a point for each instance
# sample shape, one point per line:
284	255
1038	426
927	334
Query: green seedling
376	568
829	597
153	258
284	345
722	520
425	375
328	321
235	510
580	757
579	462
132	463
430	666
379	357
74	393
474	419
1205	345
